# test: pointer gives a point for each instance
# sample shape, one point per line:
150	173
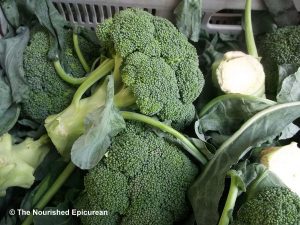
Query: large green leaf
284	12
264	126
11	60
188	18
9	111
100	126
289	89
224	115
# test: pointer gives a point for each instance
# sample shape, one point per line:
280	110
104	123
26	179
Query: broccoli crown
279	47
154	52
272	206
143	180
19	161
49	94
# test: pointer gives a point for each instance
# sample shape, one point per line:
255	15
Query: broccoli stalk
231	199
238	72
80	56
249	36
19	161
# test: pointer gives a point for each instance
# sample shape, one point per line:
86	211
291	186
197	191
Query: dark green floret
272	206
49	94
279	47
143	180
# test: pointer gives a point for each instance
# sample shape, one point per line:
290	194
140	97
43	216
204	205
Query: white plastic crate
91	12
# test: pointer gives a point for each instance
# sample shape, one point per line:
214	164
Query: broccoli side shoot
272	206
19	161
48	94
277	48
143	180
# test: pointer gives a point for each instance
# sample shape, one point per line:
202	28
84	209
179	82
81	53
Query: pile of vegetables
141	122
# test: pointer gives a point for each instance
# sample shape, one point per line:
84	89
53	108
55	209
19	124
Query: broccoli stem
95	63
94	76
250	42
80	56
124	98
157	124
67	77
52	191
230	201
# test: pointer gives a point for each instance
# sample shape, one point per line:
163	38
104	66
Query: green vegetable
188	18
283	161
154	68
159	68
206	191
181	140
247	177
19	161
272	206
13	87
143	180
277	48
48	93
238	72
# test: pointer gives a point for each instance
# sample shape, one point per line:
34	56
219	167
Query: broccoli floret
154	51
143	180
272	206
19	161
48	93
279	47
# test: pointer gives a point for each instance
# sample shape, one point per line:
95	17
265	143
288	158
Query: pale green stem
161	126
94	76
52	191
249	36
67	77
81	58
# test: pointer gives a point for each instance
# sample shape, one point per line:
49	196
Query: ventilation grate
87	14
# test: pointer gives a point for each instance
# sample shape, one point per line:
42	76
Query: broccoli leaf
207	190
188	18
9	111
4	26
222	116
100	125
289	90
284	12
11	60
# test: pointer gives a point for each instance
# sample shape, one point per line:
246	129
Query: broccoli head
19	161
155	71
271	206
160	66
143	180
48	94
279	47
